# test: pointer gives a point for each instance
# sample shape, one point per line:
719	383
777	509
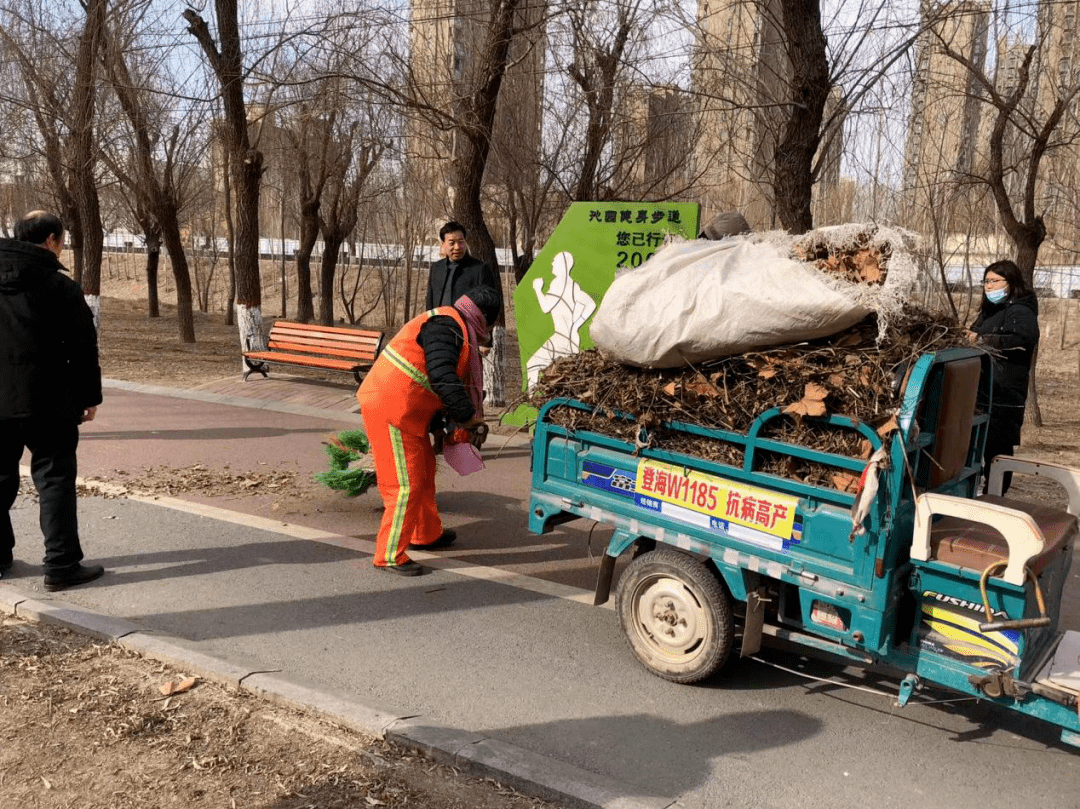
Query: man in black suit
457	272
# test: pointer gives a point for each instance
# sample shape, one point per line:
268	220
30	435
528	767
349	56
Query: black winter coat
446	285
441	338
1011	331
48	344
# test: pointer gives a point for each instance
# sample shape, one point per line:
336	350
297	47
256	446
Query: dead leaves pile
847	374
859	264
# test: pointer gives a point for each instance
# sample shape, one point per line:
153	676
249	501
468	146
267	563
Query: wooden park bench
329	347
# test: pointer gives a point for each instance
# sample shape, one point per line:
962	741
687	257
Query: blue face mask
997	295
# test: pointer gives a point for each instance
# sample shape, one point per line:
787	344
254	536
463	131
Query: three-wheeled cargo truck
917	572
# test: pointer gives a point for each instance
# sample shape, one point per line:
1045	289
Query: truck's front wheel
675	615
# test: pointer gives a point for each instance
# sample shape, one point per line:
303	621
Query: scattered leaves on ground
83	723
200	479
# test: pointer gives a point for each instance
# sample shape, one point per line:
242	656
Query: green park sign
560	293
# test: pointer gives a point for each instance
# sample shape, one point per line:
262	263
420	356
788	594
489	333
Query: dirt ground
84	724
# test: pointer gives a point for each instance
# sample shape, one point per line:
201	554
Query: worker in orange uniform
429	374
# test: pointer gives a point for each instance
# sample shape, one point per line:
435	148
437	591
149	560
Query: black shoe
80	574
410	568
445	540
5	569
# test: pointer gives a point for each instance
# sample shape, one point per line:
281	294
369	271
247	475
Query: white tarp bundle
701	300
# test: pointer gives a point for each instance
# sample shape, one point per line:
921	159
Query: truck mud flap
603	580
754	623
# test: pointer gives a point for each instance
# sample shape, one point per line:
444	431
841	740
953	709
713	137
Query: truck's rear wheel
675	615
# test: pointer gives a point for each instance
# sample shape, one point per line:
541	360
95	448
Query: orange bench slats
317	362
309	327
317	347
365	338
300	340
345	351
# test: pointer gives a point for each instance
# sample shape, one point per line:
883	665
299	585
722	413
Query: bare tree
157	173
460	109
1024	130
776	93
311	142
46	94
84	150
245	163
339	216
598	61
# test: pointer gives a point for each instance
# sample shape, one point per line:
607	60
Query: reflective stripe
406	367
402	502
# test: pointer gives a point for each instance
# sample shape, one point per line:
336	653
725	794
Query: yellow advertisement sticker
720	499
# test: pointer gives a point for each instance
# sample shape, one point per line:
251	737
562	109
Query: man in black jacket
458	272
50	381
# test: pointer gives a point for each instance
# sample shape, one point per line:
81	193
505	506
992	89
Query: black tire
675	616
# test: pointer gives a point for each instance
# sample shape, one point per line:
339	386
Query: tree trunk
230	235
1033	391
309	234
793	165
170	232
153	257
74	240
407	313
248	171
333	238
245	164
1028	239
495	369
84	155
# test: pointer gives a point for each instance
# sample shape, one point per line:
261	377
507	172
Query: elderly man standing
457	272
50	382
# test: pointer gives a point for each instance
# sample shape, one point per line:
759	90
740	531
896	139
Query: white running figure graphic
569	306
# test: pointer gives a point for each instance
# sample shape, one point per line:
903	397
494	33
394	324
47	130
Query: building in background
651	137
741	77
738	74
446	38
943	134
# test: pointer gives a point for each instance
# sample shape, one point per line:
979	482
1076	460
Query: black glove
478	436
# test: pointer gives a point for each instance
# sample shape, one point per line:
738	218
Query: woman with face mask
1007	325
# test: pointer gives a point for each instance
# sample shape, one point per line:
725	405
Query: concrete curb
528	772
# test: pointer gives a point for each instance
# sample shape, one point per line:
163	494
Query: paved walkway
496	661
287	389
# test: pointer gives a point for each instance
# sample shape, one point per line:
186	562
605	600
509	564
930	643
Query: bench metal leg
261	367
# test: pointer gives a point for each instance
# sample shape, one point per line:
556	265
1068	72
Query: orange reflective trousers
405	472
397	405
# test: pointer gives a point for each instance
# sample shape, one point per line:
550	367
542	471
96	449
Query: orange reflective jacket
397	384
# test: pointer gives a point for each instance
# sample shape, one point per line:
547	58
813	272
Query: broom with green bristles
350	464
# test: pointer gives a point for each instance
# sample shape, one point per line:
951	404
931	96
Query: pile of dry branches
849	374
